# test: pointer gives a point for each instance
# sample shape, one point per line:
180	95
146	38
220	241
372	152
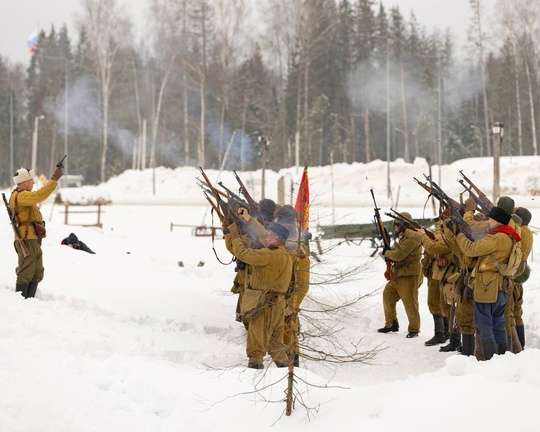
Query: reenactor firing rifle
453	205
12	218
481	195
226	205
382	233
404	219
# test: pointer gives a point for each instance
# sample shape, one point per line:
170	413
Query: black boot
454	345
521	334
490	348
447	333
21	287
468	344
439	332
502	347
509	343
32	288
393	328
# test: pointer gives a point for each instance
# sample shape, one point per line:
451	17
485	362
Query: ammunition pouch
252	303
40	230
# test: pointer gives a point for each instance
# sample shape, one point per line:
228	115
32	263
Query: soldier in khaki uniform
255	239
488	284
298	247
263	302
526	247
441	253
405	279
23	202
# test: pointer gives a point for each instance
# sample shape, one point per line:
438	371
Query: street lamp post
35	140
498	132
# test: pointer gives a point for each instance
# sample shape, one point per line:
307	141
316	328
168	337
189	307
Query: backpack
516	264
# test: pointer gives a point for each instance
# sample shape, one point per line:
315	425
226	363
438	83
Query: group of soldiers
475	272
271	280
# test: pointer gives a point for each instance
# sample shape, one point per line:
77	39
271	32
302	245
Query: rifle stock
13	222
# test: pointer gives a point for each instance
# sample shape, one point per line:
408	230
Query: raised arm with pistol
13	221
382	233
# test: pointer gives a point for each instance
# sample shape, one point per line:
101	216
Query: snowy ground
128	340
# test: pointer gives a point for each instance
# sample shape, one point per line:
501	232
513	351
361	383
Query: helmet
506	203
287	213
401	223
524	214
406	215
524	276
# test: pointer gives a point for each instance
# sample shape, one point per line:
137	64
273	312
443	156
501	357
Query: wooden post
99	215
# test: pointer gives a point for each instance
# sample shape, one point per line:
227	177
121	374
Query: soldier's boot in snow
521	335
490	348
454	345
467	341
393	328
439	337
32	288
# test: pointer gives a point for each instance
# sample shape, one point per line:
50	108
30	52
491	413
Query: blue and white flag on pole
32	42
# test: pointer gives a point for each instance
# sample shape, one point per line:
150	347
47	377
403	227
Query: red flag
302	201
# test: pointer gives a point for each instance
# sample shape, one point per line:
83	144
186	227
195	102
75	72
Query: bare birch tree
108	31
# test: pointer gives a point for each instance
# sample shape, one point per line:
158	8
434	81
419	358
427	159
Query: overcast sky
19	18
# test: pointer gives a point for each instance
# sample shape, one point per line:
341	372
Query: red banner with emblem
302	201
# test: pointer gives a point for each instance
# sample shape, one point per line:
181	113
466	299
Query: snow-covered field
128	340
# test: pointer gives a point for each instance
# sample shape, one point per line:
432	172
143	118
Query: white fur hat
23	175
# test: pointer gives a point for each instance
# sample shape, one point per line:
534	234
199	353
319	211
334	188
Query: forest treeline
340	81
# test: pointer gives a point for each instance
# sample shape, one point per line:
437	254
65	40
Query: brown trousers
405	289
265	333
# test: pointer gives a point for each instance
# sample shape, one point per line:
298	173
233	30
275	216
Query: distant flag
32	42
302	201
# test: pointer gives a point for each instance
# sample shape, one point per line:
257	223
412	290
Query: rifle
398	216
481	195
382	233
456	215
432	191
483	207
236	198
253	206
226	207
22	244
61	163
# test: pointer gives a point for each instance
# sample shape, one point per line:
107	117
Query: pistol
61	163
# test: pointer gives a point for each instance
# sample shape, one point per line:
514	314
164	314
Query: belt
23	223
272	295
